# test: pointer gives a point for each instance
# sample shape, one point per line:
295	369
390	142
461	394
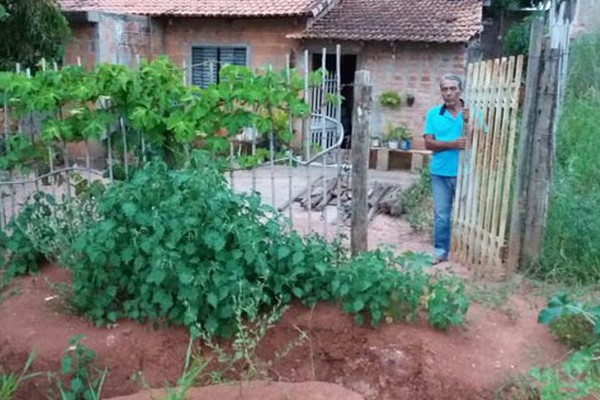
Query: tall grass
571	248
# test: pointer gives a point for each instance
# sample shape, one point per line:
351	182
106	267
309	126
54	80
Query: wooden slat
511	148
508	98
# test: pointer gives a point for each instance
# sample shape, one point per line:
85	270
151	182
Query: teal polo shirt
445	128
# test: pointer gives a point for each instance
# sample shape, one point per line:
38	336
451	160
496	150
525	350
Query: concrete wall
587	17
82	44
265	38
116	39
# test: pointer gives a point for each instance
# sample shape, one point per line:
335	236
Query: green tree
36	28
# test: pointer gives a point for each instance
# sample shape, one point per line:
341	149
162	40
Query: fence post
360	160
525	146
542	119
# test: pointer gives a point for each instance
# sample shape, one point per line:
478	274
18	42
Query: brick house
406	44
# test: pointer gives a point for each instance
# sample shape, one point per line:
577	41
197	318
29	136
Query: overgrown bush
570	251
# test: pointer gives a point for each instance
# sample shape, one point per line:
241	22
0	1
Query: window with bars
208	60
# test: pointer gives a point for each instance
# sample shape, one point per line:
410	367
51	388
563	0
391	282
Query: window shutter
233	55
205	66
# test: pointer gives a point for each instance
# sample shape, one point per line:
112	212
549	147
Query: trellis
483	194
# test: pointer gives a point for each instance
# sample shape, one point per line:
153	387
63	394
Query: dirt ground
398	361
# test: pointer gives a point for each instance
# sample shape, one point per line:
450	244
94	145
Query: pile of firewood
382	197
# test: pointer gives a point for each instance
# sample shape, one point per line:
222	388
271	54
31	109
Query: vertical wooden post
540	179
360	160
525	146
535	164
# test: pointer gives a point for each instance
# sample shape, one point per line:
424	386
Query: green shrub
176	245
416	203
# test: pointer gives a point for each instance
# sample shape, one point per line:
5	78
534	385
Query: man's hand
466	113
460	143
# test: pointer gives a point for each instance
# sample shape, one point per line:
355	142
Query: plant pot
393	144
375	142
405	145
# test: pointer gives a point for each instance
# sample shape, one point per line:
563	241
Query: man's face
450	92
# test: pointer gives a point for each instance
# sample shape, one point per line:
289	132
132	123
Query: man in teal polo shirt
443	128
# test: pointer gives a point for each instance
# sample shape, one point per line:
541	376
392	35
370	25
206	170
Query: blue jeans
443	188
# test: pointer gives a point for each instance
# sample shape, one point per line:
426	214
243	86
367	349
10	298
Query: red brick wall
83	43
409	68
265	38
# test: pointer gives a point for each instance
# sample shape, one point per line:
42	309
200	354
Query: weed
10	382
77	365
252	326
192	369
415	204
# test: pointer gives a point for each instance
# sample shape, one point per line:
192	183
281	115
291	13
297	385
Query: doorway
348	69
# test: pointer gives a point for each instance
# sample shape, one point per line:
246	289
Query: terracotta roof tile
197	8
401	20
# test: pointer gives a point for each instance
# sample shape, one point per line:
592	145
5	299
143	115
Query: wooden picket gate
483	190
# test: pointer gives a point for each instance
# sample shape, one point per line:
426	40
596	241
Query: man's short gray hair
453	77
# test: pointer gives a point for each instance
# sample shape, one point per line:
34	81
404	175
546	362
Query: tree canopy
31	30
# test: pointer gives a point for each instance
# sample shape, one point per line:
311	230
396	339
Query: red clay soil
399	361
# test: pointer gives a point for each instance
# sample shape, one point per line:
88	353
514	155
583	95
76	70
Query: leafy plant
383	285
77	365
148	257
77	105
10	382
560	305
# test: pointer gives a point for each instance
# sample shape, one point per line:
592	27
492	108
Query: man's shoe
437	260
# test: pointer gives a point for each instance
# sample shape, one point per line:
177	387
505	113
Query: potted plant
405	137
393	136
375	141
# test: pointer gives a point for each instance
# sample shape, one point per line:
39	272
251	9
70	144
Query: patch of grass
492	295
515	387
570	251
10	382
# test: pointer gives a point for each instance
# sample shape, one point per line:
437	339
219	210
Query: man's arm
436	145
